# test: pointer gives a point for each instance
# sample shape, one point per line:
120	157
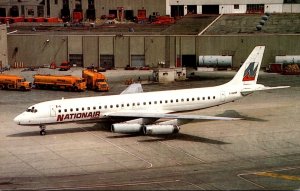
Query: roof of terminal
235	24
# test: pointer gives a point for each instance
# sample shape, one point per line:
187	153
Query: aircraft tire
42	132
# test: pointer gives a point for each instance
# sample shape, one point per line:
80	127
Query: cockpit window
32	110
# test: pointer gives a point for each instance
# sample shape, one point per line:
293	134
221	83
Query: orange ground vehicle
70	83
13	82
95	81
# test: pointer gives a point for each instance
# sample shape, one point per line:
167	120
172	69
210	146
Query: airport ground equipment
95	81
14	82
68	82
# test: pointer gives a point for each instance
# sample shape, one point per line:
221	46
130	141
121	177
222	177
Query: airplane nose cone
17	119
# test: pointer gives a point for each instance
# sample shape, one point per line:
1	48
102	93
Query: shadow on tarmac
235	114
179	136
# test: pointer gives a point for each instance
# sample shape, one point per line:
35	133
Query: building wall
241	46
102	7
3	45
37	50
291	8
156	49
90	50
28	6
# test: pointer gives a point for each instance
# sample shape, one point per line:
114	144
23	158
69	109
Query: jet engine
160	129
126	128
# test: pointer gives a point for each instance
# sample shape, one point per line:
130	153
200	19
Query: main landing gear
43	130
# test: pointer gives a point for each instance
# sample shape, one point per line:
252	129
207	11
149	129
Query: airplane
135	111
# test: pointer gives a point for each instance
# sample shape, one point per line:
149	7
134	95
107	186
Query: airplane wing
167	116
133	88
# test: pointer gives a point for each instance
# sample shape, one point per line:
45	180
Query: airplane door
223	96
52	111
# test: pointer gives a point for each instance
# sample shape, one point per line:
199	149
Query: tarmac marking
181	150
119	147
106	185
279	176
271	174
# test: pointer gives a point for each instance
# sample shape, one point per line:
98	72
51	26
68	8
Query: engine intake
160	129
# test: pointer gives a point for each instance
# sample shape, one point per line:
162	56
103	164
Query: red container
5	19
16	19
39	19
276	68
29	19
77	16
51	20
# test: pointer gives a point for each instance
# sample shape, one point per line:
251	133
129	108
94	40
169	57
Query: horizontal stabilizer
260	87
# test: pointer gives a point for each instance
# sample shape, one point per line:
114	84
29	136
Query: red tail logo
250	72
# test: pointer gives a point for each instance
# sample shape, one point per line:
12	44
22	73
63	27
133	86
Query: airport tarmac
260	152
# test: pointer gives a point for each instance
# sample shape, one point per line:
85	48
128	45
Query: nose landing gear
43	130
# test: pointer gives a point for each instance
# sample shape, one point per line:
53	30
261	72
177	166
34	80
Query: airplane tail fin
248	73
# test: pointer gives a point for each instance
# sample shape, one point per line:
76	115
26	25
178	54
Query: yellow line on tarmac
280	176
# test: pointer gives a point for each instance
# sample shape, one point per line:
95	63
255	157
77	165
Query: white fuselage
95	108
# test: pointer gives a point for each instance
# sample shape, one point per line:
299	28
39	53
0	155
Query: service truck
67	82
95	81
14	82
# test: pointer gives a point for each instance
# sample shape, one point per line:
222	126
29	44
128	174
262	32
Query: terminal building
203	28
92	9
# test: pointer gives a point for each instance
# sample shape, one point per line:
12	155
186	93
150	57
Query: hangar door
177	10
210	9
192	9
76	59
189	60
137	61
107	61
2	12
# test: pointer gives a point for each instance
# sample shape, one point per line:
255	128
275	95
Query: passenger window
160	101
176	100
171	101
94	108
133	104
128	105
149	102
117	105
166	101
59	111
82	109
88	108
99	107
203	98
155	102
71	110
182	100
208	97
122	105
77	109
198	98
193	99
111	106
214	97
105	107
187	99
